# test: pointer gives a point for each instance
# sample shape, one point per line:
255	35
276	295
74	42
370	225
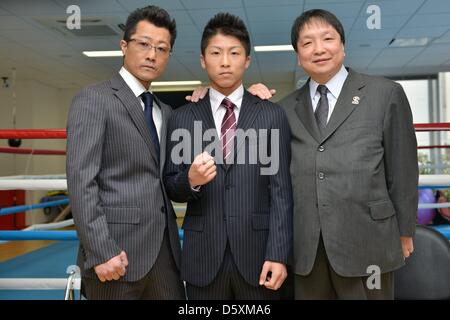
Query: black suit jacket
252	212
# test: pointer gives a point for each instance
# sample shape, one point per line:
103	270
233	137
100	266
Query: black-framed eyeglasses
145	46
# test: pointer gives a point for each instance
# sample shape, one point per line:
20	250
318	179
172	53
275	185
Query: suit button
228	187
321	148
321	175
163	209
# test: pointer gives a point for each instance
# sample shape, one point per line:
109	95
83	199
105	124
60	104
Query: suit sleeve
176	179
279	244
86	126
400	148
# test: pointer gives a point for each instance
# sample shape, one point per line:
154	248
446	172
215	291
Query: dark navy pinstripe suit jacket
253	212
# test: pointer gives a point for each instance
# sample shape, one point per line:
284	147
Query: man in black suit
238	223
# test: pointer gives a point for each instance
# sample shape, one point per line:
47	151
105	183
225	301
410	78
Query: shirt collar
134	83
216	98
334	85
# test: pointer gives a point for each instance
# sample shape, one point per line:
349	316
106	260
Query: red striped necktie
228	131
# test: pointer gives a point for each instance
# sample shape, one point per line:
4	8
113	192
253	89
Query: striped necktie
228	131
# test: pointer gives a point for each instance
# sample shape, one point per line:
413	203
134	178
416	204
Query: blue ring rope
16	209
48	235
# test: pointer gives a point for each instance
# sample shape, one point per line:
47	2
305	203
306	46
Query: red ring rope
445	126
31	151
33	134
434	147
61	133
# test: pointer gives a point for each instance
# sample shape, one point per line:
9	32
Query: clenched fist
202	170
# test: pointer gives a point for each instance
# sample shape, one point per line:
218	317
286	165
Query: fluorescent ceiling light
409	42
176	83
286	47
101	54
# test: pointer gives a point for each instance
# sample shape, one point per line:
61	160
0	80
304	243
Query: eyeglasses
145	46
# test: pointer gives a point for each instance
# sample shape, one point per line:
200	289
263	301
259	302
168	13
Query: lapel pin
356	100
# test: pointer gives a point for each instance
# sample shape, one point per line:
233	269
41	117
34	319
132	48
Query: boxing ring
49	231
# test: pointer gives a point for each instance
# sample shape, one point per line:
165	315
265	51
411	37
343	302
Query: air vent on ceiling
90	26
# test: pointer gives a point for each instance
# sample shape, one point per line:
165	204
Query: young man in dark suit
238	223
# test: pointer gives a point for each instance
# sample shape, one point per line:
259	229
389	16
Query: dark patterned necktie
321	113
147	98
228	130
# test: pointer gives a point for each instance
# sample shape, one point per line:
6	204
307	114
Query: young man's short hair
228	25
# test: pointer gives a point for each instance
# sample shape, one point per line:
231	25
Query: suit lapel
305	112
249	112
202	111
345	104
134	108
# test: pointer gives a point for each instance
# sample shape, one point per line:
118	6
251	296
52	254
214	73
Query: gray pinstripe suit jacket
117	197
356	184
251	211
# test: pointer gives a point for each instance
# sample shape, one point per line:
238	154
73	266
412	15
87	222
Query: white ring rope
58	182
434	180
37	284
73	282
50	226
434	205
46	182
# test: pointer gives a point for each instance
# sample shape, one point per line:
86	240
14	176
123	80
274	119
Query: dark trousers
230	285
162	282
323	283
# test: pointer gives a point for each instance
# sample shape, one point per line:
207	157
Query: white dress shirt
218	111
138	89
334	89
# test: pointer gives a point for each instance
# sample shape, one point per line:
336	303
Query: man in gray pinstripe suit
129	244
238	223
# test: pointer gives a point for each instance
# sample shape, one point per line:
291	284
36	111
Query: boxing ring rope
36	182
15	150
33	134
437	126
16	209
73	282
50	226
70	235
